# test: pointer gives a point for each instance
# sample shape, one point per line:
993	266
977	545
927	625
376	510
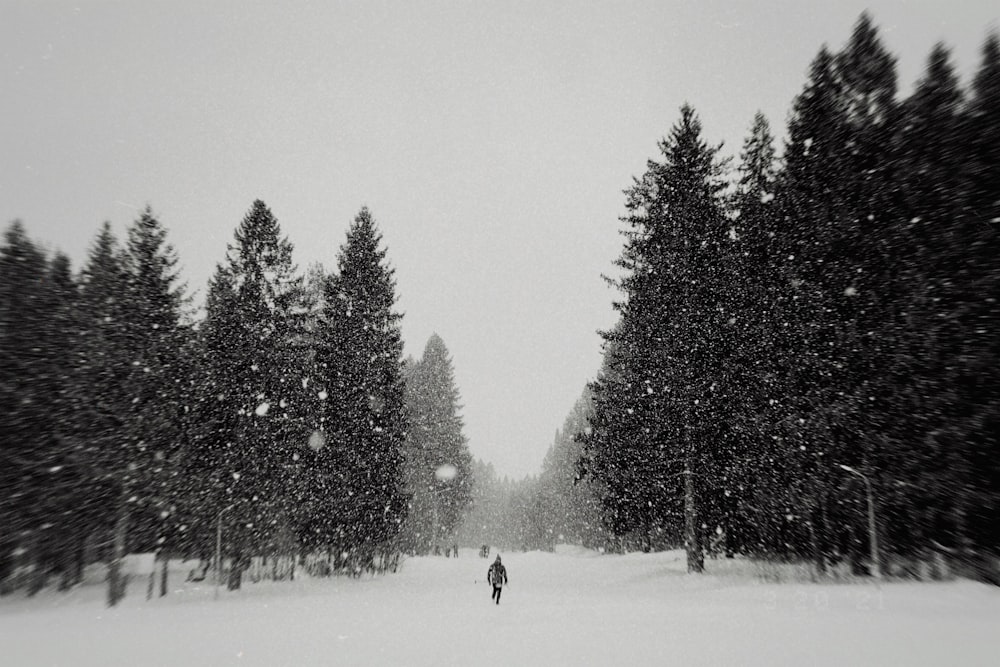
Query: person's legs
498	590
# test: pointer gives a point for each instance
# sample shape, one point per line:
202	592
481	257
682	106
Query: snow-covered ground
569	608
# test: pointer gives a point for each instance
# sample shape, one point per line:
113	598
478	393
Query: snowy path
564	609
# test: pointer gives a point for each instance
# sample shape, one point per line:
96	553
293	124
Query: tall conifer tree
251	423
363	412
753	258
438	463
976	382
657	400
37	502
155	339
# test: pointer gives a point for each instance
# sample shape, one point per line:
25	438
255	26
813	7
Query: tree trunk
692	537
65	564
71	562
117	580
856	553
79	558
39	571
236	568
817	554
235	580
6	559
963	545
165	557
730	536
823	532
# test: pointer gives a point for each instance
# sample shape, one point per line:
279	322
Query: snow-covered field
569	608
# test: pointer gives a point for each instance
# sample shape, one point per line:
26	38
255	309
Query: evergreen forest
804	367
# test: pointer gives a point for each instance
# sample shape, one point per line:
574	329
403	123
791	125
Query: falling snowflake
317	441
262	409
446	472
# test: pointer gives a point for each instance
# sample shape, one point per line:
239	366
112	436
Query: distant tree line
829	318
539	511
281	417
505	514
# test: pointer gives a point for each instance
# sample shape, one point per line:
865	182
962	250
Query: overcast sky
491	140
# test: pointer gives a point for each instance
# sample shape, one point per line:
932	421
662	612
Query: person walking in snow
497	575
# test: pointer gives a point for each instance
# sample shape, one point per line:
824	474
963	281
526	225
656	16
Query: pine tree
929	155
812	197
755	300
928	167
251	412
104	387
36	506
129	430
657	399
983	130
877	248
977	344
363	412
155	337
438	463
67	486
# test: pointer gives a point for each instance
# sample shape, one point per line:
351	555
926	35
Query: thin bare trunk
692	541
165	558
39	572
117	579
236	567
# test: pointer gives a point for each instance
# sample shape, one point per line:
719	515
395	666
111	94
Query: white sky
492	141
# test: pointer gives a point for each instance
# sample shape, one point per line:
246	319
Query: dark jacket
497	575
